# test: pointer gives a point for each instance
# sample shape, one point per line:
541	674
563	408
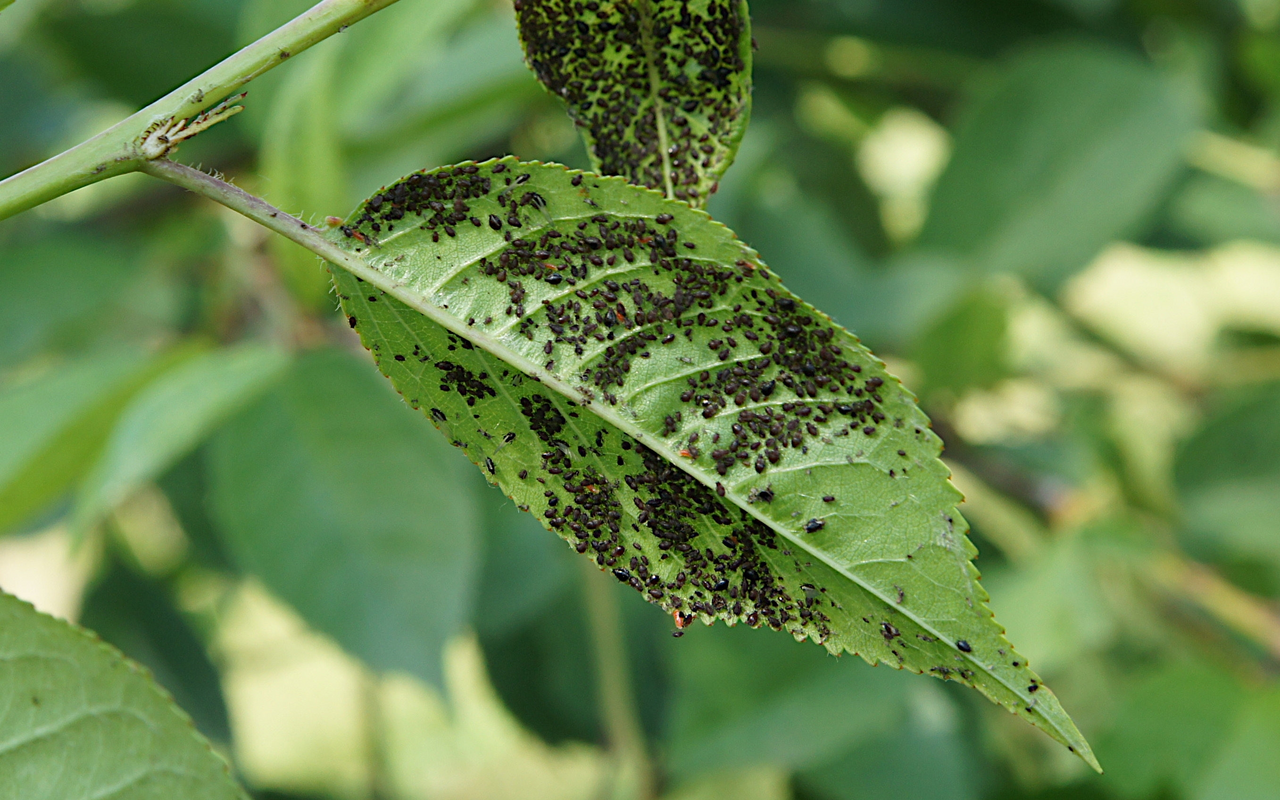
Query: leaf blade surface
660	90
78	721
633	375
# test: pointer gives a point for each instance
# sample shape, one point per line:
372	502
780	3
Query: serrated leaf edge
113	653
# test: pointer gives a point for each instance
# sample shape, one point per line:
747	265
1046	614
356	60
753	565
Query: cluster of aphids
602	59
600	291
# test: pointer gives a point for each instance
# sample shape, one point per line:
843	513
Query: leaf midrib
440	316
645	7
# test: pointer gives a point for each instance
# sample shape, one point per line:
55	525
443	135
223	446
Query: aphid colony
602	294
607	62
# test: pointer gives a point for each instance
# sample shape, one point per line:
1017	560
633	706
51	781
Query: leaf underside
660	89
631	374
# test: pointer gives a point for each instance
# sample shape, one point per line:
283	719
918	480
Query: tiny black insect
814	525
965	647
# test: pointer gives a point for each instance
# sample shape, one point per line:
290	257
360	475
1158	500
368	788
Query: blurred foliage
1058	220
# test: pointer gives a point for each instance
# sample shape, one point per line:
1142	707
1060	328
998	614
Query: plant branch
119	149
613	678
1249	617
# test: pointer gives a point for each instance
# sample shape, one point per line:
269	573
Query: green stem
117	150
613	679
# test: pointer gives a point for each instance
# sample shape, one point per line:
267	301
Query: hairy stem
118	149
613	678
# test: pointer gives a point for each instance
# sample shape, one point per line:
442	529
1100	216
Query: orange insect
683	621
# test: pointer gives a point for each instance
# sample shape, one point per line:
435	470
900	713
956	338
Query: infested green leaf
78	721
660	89
634	376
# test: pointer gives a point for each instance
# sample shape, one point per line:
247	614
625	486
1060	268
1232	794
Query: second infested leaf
660	89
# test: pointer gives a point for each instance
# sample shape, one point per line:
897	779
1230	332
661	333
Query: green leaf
52	427
1228	477
62	280
524	569
631	374
171	416
1247	768
352	511
136	615
742	699
926	757
1169	727
966	346
660	89
1213	211
1070	148
78	721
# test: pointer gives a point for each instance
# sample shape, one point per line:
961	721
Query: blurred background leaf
330	491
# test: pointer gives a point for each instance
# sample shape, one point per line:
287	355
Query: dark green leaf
169	417
137	616
545	669
966	347
1228	476
139	51
62	280
186	487
524	569
52	427
1169	727
1214	210
660	89
352	511
645	386
78	721
545	673
1246	768
925	757
1070	148
743	699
